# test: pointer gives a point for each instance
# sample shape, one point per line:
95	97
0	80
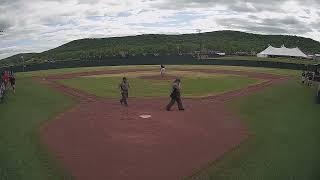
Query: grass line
284	120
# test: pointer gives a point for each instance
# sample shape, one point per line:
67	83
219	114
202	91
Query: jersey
124	86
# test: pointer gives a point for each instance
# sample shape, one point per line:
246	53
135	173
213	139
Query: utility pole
22	59
200	42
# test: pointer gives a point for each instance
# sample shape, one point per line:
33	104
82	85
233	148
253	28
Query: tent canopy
282	51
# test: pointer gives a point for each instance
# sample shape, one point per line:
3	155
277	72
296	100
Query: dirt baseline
166	77
99	139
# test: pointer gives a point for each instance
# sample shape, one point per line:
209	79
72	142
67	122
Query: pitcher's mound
159	77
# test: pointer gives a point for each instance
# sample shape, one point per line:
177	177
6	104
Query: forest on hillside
224	41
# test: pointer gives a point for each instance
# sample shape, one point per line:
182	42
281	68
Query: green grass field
44	73
22	154
193	86
81	69
281	60
283	120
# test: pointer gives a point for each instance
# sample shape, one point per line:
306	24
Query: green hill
16	59
226	41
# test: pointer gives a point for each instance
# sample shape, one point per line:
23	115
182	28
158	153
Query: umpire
176	95
124	89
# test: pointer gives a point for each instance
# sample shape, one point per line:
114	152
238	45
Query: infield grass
197	85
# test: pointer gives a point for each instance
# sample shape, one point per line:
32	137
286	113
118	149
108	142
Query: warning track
99	139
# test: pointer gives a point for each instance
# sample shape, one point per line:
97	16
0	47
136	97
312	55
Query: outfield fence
152	60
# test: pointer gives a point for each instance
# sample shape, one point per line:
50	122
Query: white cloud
38	25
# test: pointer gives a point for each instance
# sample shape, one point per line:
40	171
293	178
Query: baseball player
12	79
162	70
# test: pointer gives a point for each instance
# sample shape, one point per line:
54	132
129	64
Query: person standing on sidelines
176	95
124	90
303	77
12	79
2	88
6	78
310	76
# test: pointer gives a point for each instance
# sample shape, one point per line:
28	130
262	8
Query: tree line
229	42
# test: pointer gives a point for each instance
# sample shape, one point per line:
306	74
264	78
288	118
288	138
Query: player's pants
124	98
13	84
173	100
162	71
5	84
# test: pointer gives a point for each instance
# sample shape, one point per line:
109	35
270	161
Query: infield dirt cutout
99	139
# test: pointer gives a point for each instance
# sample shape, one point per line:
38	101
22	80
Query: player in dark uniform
124	90
2	87
309	78
303	77
175	96
12	79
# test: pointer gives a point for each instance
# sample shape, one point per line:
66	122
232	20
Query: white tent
282	52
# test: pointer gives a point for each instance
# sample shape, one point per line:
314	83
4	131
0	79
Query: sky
39	25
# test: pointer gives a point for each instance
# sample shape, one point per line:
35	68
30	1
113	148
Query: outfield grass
50	72
240	68
280	59
284	122
193	86
45	73
22	155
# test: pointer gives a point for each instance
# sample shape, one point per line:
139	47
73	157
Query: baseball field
238	123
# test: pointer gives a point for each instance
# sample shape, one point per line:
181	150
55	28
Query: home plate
145	116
